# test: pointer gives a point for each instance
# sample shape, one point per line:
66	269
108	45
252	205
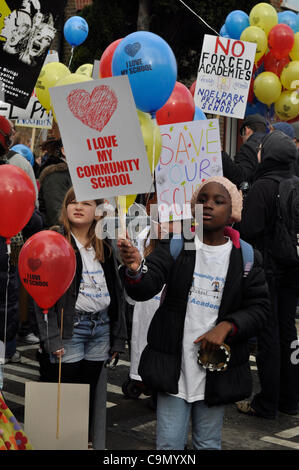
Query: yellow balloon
290	75
73	78
294	54
267	87
49	75
287	106
150	132
85	69
264	16
258	36
130	199
69	80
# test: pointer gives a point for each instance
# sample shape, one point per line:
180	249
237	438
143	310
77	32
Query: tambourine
214	360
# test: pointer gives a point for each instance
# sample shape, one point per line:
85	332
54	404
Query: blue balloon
25	151
75	30
199	115
223	32
235	23
290	18
151	68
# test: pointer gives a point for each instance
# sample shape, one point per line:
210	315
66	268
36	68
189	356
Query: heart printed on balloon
132	49
95	109
34	264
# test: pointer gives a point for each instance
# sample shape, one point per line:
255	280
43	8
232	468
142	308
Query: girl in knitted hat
195	315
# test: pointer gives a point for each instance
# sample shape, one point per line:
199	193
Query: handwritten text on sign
102	138
224	75
191	153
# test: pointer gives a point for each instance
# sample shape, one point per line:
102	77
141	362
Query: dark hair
257	127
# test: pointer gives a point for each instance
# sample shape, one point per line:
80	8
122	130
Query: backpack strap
248	257
176	245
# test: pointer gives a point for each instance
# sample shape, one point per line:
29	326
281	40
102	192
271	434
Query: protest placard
96	69
102	138
224	75
191	153
33	116
27	28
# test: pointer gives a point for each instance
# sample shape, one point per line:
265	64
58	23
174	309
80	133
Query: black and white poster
27	29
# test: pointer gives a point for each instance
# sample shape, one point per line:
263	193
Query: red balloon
274	65
192	88
47	265
180	106
17	200
281	40
106	59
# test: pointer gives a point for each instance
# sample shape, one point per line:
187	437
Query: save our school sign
191	153
224	75
102	138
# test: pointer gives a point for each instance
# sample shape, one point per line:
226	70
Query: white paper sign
96	69
102	138
33	116
224	75
191	153
41	416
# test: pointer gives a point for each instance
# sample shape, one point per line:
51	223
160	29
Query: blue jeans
173	416
90	340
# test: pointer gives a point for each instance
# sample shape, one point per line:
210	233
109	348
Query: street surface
131	423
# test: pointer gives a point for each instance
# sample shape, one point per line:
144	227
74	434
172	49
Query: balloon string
201	19
71	58
6	300
59	382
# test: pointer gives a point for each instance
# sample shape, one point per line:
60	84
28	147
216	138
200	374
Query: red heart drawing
34	264
95	109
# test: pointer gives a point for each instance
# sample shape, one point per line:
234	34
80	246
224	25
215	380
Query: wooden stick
33	138
122	218
59	382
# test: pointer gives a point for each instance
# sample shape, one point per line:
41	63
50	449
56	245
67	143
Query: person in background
54	180
279	377
288	130
12	157
241	168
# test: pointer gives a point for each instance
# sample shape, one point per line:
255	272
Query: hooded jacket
278	155
54	181
243	166
244	303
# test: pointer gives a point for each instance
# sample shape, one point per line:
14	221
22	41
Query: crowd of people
235	291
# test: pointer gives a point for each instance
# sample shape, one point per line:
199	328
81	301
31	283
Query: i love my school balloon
47	265
151	67
17	199
75	30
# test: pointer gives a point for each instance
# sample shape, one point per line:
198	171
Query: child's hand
59	353
213	339
129	254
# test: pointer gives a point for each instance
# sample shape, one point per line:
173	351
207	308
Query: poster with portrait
27	29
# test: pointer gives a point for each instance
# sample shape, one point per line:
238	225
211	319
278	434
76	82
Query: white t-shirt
205	296
93	292
142	316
